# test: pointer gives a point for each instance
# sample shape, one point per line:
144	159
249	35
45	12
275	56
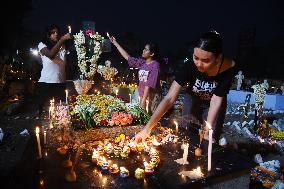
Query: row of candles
101	161
52	105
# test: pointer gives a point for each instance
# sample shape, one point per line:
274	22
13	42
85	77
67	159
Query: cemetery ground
14	147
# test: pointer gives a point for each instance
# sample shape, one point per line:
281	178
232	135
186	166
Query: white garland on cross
80	45
259	92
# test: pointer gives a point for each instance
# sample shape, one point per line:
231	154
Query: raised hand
66	37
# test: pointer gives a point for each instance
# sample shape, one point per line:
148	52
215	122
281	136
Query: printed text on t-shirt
143	75
204	89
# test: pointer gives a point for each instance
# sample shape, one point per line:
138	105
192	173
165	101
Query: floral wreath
80	45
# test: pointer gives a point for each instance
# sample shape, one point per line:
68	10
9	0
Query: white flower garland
259	92
79	40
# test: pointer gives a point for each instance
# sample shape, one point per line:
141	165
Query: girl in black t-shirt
209	77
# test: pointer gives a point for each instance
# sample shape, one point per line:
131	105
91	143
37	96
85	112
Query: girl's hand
66	37
142	135
113	40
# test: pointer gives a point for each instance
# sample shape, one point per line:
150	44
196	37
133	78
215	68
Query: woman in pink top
149	69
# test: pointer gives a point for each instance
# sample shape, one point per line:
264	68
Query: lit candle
129	98
176	124
99	92
69	29
66	96
147	106
44	137
116	92
209	146
38	142
49	112
95	156
108	35
194	174
185	153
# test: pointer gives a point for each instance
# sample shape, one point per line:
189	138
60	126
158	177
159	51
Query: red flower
89	32
103	122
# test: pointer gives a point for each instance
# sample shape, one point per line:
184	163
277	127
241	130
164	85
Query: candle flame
123	169
41	182
146	163
69	29
155	142
37	130
114	165
108	35
175	122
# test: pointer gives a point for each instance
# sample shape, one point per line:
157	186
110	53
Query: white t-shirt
52	72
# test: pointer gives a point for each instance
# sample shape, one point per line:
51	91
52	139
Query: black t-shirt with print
203	86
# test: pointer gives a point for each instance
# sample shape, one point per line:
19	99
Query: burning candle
116	92
124	172
148	168
95	156
66	96
155	142
209	146
139	173
176	124
114	169
147	106
194	174
44	137
105	164
100	161
185	152
49	112
129	98
108	35
69	29
38	142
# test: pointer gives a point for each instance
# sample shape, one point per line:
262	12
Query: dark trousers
46	91
195	111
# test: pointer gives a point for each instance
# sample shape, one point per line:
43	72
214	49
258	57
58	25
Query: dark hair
46	37
154	48
211	42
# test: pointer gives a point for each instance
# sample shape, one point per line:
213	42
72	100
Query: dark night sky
170	23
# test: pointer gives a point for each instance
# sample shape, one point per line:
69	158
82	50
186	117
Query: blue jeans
195	111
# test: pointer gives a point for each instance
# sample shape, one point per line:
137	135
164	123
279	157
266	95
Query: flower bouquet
82	86
106	71
106	110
